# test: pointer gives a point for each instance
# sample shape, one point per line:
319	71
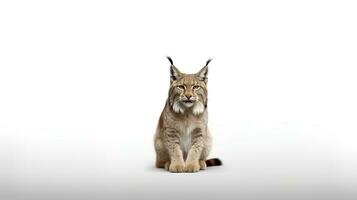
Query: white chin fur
188	105
197	108
177	107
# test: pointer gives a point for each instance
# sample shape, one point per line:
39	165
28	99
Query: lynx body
182	140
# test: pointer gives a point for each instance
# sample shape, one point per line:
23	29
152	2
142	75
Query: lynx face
188	92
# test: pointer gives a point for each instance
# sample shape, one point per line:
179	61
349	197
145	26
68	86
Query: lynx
182	140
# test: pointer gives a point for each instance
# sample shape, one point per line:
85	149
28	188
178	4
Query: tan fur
182	140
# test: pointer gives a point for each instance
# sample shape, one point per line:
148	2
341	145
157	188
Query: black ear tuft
208	61
169	58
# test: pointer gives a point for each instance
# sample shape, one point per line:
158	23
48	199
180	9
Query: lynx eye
181	87
196	87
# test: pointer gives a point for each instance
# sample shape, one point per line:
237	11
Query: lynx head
188	92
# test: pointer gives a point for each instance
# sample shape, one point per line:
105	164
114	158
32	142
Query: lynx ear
174	72
202	74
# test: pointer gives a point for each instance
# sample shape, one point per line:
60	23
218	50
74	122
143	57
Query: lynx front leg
172	142
192	161
162	156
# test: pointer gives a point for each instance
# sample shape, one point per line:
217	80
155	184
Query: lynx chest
186	137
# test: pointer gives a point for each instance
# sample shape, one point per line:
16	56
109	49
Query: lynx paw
203	165
192	167
167	165
176	167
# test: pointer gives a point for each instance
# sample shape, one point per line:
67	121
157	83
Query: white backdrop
82	84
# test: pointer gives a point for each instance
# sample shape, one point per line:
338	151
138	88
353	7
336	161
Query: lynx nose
188	96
